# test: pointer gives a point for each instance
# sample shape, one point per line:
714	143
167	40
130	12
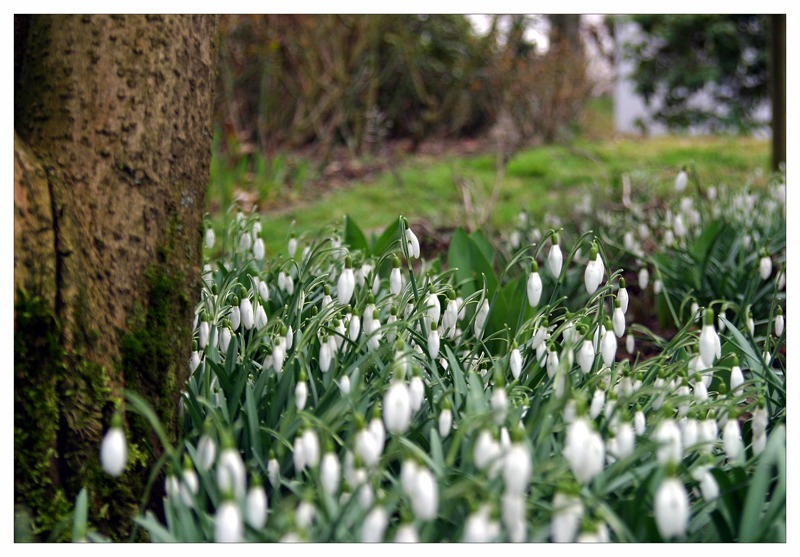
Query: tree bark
777	83
112	151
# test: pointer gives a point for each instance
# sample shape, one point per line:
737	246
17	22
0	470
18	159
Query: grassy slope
548	178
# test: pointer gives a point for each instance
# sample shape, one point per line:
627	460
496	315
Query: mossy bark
112	151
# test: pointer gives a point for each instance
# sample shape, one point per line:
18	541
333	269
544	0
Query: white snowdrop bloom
354	328
707	434
204	333
781	280
618	321
669	237
433	342
374	525
657	287
552	362
499	404
425	495
228	527
367	448
515	362
273	470
480	318
236	317
194	362
644	231
539	335
263	291
679	226
513	514
554	258
260	317
256	506
598	401
278	357
668	437
311	448
708	485
626	440
346	283
690	432
779	323
445	421
681	181
541	354
292	247
639	422
206	449
114	449
608	345
622	295
462	309
406	533
304	514
765	266
330	472
258	249
597	533
338	338
732	439
433	308
486	451
751	326
224	339
760	419
584	450
231	475
630	343
245	243
376	429
246	310
480	528
593	275
586	356
298	453
412	244
408	476
628	240
289	285
671	508
759	443
517	469
709	340
534	285
325	356
566	518
644	278
395	278
416	390
190	485
210	237
344	385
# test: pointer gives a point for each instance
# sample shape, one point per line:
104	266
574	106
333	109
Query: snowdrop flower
354	328
292	245
584	450
513	513
622	295
258	249
416	390
374	526
190	484
779	323
206	448
445	420
552	361
555	258
433	341
680	228
499	400
760	418
594	533
487	450
114	448
433	308
263	291
517	466
639	421
708	485
567	514
236	314
310	448
709	340
586	356
210	238
594	271
228	527
534	286
480	318
376	428
330	472
539	334
260	318
290	287
681	180
231	475
367	448
344	385
657	287
347	282
278	357
480	528
194	362
732	439
737	378
408	476
246	309
644	278
325	355
412	243
425	495
618	319
224	339
598	401
304	514
204	331
608	345
515	362
273	469
406	533
395	278
256	504
671	508
626	439
629	343
668	436
751	326
765	265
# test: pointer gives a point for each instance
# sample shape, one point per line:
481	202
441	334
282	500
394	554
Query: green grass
540	180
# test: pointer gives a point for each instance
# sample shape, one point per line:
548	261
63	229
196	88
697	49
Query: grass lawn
541	179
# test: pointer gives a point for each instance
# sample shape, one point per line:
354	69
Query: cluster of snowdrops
355	391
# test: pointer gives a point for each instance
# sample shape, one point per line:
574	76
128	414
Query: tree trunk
777	83
112	150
